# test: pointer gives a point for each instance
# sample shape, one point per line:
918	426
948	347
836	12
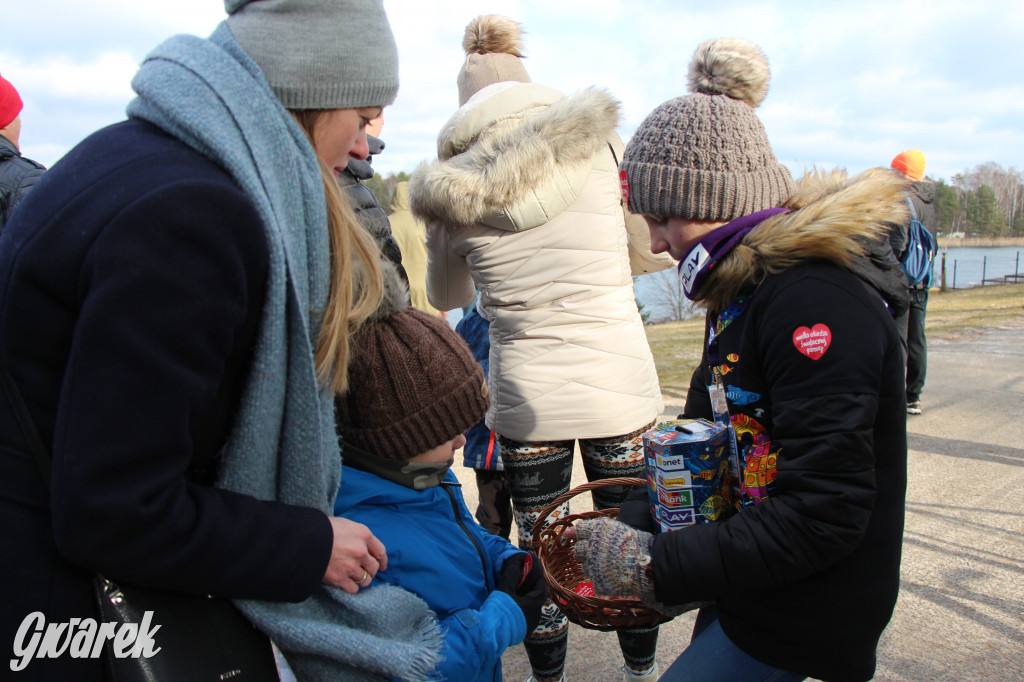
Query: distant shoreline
982	241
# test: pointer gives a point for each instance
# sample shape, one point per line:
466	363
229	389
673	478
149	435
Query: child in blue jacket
414	389
480	453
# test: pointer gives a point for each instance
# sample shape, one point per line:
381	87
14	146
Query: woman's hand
356	556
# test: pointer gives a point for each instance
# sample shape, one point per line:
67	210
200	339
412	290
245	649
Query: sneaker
650	676
529	678
914	407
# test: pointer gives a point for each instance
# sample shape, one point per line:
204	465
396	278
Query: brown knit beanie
413	385
705	156
494	54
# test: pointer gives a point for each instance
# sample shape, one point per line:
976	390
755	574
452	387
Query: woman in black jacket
803	579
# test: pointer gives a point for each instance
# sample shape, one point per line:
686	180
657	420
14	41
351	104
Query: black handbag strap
28	425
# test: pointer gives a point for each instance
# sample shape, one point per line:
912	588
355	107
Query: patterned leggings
538	472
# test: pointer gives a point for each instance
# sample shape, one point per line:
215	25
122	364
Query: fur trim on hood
512	157
395	294
832	219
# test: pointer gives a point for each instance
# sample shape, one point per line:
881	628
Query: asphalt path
960	614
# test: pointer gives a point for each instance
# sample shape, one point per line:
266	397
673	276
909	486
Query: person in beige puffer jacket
524	206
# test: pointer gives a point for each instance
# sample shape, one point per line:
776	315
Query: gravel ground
960	614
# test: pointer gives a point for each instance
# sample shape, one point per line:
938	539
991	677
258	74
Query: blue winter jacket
436	550
481	448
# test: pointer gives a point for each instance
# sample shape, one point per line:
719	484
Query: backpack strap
913	212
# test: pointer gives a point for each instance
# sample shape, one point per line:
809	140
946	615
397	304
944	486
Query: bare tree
661	294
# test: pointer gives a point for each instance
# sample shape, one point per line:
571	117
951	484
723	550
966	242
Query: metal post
954	273
984	262
942	281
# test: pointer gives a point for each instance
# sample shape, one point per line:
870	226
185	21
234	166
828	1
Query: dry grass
677	345
968	311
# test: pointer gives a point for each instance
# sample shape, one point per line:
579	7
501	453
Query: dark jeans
917	345
494	512
712	657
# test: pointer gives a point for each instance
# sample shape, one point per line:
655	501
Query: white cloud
853	82
106	76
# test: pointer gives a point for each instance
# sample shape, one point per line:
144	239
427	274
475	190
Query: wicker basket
562	571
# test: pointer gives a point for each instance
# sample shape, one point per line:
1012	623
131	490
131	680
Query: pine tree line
987	201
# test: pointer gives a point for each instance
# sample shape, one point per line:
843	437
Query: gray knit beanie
705	156
494	54
319	54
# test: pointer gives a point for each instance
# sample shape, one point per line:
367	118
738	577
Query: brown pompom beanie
705	156
413	385
494	54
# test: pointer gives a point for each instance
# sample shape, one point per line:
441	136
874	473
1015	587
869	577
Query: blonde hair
356	276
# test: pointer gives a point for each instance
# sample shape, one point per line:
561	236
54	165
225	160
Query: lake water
969	262
660	291
972	261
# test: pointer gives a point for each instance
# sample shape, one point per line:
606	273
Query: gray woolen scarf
213	97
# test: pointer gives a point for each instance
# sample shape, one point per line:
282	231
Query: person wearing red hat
17	173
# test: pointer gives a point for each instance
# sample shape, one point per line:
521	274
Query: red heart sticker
813	342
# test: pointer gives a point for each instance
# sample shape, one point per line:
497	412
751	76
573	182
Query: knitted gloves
522	578
616	558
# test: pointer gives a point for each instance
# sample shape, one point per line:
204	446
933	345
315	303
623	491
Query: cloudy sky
853	83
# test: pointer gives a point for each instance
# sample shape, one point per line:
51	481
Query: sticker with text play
813	341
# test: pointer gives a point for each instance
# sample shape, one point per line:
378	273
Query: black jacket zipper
445	485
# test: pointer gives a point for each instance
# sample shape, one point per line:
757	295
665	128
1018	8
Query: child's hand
527	587
511	574
356	557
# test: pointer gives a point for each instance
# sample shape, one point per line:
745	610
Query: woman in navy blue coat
175	303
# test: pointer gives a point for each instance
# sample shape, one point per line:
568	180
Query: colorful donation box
690	472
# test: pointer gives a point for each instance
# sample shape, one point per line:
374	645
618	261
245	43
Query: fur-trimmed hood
513	156
833	218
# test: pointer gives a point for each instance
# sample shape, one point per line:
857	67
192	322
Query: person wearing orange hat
911	163
17	173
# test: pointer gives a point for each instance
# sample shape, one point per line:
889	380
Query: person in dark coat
364	202
802	579
911	163
17	173
176	296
